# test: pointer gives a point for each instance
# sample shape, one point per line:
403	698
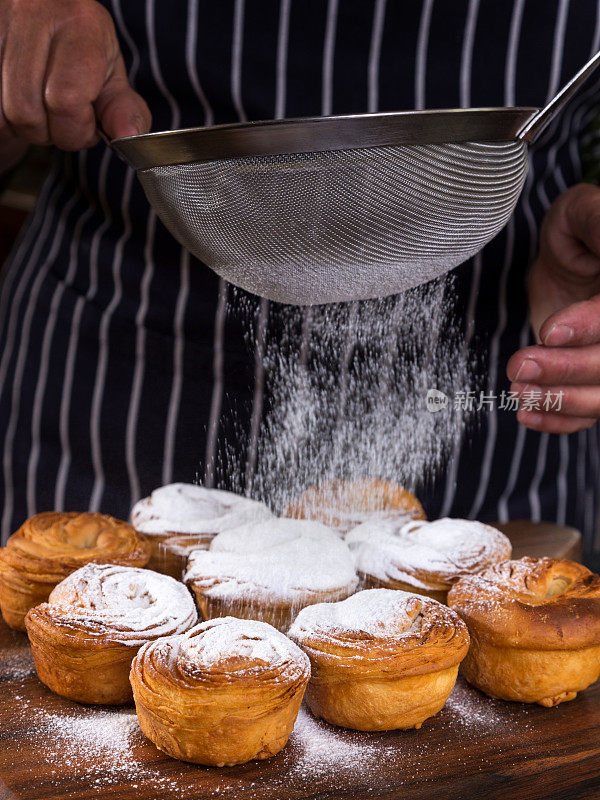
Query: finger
549	422
582	213
120	110
573	401
77	68
576	325
24	60
547	366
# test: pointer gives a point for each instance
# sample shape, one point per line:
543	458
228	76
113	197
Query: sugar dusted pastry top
187	508
222	651
426	555
382	630
52	544
278	560
537	603
344	504
118	604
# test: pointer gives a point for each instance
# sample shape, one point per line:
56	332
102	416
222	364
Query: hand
62	70
564	304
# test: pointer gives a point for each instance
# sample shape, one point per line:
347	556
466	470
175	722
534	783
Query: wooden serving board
475	747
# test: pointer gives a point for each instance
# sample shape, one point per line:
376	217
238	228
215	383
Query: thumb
119	109
574	326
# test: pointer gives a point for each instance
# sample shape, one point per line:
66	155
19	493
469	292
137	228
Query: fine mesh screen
340	225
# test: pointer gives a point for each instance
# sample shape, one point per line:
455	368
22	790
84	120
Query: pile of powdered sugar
273	561
448	548
378	613
128	604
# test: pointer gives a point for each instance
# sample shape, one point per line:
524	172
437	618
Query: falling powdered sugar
347	389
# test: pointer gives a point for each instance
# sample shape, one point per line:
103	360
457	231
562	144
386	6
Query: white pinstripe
149	268
258	396
328	54
23	278
533	494
467	53
326	106
513	470
236	59
47	346
217	392
465	101
375	54
191	50
421	62
510	90
105	319
454	460
492	420
25	334
8	277
263	311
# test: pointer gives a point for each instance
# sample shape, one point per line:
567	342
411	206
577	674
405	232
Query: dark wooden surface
475	747
542	539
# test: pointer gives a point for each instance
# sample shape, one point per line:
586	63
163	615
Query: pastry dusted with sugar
344	504
535	629
84	638
52	545
425	557
381	659
195	514
224	693
270	570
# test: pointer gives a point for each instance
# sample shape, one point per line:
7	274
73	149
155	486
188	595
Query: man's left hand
564	304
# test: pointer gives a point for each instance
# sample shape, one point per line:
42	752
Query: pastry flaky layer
84	638
344	504
226	692
381	659
50	546
425	557
535	629
184	508
270	570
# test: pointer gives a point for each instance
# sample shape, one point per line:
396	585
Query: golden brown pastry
380	660
50	546
535	629
343	505
194	511
84	638
270	570
224	693
424	557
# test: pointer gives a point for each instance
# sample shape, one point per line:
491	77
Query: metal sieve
331	209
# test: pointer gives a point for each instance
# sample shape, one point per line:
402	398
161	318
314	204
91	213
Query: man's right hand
61	75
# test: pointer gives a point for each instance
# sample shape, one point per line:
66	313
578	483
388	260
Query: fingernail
528	371
558	335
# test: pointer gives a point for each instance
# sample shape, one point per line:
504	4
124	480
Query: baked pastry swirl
225	692
425	557
535	629
193	511
380	660
344	504
50	546
84	638
270	570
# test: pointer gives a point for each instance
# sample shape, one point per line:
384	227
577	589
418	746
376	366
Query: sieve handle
532	129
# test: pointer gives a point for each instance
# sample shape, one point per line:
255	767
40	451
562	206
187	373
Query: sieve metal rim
322	134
